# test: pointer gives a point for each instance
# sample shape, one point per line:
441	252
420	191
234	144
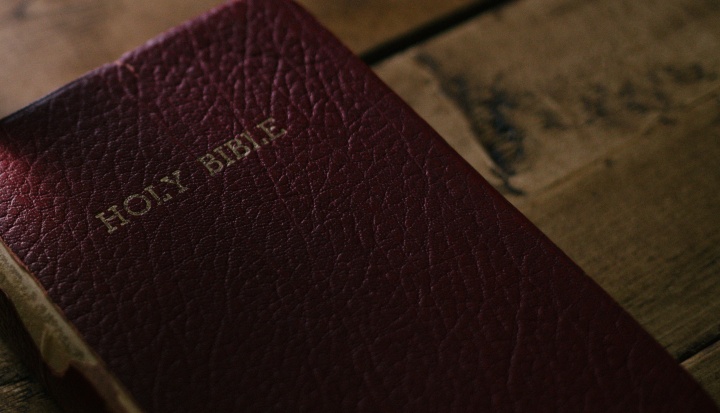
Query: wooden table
599	120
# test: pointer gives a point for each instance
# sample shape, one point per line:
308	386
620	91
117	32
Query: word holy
239	147
140	204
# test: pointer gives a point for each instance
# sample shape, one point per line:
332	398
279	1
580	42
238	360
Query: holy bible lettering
214	162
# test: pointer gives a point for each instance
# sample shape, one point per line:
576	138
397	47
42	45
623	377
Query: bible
239	216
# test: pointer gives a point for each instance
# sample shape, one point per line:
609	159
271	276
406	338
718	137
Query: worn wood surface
705	366
599	120
19	392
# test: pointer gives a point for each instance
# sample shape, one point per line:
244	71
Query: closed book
239	216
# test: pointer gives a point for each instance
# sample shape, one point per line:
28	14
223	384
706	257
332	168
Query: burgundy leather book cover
239	216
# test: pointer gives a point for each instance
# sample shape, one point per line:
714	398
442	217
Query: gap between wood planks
427	31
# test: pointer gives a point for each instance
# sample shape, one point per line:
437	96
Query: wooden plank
47	43
599	121
18	391
644	222
364	25
705	367
546	87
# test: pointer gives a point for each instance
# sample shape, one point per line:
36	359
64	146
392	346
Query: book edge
56	341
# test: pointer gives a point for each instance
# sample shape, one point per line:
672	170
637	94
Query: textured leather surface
354	264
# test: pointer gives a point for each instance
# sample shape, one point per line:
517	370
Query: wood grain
547	87
47	43
18	391
643	222
599	120
705	366
365	25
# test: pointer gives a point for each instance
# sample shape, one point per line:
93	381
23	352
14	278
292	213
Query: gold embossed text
237	148
141	203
